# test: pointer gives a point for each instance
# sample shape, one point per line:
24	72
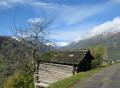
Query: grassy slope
68	82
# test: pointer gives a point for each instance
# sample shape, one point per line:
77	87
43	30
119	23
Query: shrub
99	54
20	79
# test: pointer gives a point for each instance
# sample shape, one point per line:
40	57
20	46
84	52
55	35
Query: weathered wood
49	73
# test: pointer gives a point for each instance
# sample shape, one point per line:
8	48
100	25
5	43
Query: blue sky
74	19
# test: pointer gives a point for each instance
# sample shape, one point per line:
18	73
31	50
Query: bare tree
35	36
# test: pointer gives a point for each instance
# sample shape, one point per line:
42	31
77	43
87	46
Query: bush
20	79
99	54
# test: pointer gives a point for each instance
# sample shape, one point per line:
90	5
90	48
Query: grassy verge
68	82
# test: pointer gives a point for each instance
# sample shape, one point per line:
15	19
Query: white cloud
4	3
68	14
35	20
107	27
110	26
50	44
12	3
75	14
40	3
115	0
61	44
15	1
77	39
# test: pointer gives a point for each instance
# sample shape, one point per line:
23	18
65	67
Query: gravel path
107	78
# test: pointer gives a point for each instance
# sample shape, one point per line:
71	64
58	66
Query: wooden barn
62	65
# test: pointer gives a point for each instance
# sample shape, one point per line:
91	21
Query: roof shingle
66	57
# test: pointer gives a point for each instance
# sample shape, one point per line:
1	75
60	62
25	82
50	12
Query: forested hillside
110	41
12	57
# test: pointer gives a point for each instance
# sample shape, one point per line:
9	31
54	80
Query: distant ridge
111	41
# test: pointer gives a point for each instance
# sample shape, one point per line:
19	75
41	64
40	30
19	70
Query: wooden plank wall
49	73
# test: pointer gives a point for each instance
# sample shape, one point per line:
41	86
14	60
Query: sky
74	19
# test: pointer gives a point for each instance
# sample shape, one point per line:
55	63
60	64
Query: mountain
15	53
13	56
111	41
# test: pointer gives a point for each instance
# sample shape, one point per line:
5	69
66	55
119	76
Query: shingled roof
66	57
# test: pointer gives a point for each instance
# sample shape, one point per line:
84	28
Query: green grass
70	81
1	85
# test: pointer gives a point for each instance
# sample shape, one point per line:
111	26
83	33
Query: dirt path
107	78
